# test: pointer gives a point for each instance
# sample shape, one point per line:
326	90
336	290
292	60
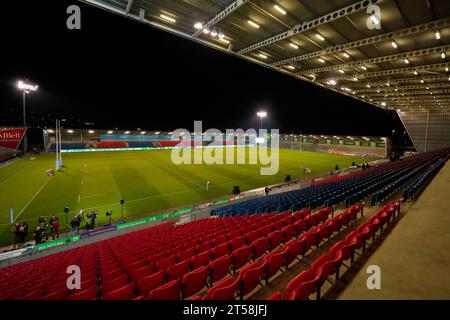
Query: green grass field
147	180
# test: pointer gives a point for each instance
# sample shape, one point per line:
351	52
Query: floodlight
262	114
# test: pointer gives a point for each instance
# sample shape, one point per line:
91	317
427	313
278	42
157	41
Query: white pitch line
31	200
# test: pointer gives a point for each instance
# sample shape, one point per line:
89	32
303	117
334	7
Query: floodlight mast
262	115
26	87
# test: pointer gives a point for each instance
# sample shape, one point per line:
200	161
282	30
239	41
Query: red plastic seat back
177	270
124	293
274	261
249	278
194	281
224	290
114	284
151	282
168	291
259	247
220	268
200	260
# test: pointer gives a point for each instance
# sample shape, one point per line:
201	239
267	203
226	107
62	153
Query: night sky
118	73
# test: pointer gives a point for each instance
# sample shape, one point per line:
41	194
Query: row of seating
187	277
400	179
419	183
175	250
260	273
351	189
310	281
68	146
109	144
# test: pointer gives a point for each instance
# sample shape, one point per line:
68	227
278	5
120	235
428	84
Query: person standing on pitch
207	185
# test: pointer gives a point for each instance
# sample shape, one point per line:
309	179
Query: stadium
116	185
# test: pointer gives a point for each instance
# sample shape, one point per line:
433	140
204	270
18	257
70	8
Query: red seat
91	282
326	266
111	144
276	225
135	265
185	255
168	291
273	263
220	240
194	281
259	247
60	294
110	267
204	246
288	233
276	296
300	226
324	233
124	293
114	284
302	214
234	234
224	290
376	226
237	243
151	282
334	225
220	250
310	221
112	274
294	248
250	237
303	289
310	239
154	258
137	274
240	257
219	268
163	264
264	231
294	283
249	278
308	286
87	294
177	270
286	221
275	239
200	260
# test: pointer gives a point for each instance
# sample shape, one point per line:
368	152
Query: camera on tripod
109	213
92	214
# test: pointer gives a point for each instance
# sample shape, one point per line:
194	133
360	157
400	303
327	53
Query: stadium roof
403	64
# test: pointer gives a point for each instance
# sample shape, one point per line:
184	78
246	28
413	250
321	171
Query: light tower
26	87
262	115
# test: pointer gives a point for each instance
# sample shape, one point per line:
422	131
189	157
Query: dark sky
116	72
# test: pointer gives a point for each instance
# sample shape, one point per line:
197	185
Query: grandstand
82	139
339	206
